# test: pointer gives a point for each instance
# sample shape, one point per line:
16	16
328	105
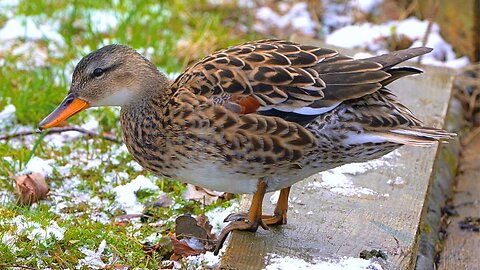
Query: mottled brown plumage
252	118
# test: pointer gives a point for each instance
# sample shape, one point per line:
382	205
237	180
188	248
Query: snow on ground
7	116
38	233
203	261
277	262
295	17
372	37
28	28
125	194
60	139
93	258
217	215
366	6
39	165
398	181
103	20
339	179
31	29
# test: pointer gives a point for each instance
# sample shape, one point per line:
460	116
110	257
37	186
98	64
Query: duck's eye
98	72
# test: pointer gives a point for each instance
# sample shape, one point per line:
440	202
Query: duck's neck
143	129
148	105
153	85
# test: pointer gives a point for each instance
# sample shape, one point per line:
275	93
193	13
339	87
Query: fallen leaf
30	188
167	265
181	248
199	228
209	243
158	209
116	267
163	247
124	220
202	195
163	200
186	226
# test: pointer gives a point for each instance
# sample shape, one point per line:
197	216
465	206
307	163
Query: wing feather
288	80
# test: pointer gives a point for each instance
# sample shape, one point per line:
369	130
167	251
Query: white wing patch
355	138
315	111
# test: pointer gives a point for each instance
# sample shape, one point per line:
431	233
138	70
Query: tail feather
397	73
391	59
418	136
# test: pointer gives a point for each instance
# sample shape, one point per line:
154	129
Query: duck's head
114	75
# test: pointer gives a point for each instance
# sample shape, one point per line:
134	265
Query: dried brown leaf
199	228
163	247
202	195
124	220
30	188
116	267
203	222
167	265
186	226
163	200
183	249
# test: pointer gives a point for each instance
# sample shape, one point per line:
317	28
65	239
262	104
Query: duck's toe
239	222
275	219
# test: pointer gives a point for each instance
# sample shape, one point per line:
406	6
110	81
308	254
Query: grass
172	34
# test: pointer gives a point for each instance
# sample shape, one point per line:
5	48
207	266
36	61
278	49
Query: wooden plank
462	247
328	225
445	171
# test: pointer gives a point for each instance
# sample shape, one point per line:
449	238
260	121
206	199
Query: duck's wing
229	97
280	78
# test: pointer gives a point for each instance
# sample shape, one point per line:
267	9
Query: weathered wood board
462	247
323	224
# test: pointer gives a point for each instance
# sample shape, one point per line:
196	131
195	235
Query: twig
471	136
431	19
59	130
18	265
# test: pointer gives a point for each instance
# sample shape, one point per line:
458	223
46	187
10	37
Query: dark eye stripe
98	72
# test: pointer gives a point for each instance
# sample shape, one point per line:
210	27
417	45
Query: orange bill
69	107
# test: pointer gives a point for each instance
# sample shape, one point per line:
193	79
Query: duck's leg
245	222
280	213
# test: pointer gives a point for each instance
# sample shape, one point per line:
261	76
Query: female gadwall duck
252	118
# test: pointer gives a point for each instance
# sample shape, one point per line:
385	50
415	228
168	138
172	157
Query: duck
252	118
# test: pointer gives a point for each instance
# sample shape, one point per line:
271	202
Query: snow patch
339	179
33	231
217	215
39	165
7	116
103	20
60	139
125	195
367	6
285	263
372	37
202	261
93	259
27	28
396	182
297	18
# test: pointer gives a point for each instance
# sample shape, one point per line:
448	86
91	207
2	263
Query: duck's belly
225	179
215	177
